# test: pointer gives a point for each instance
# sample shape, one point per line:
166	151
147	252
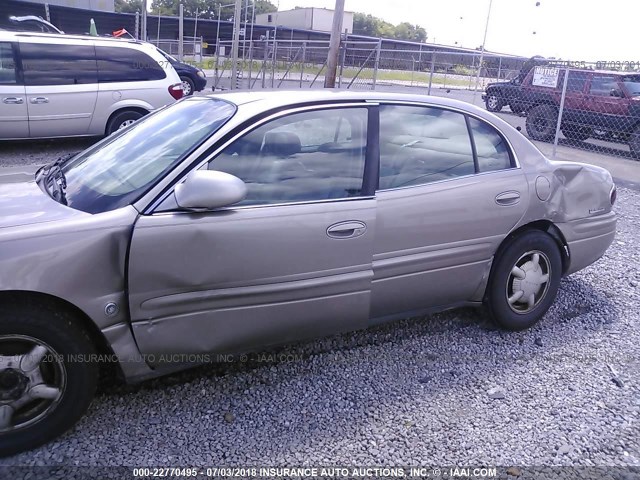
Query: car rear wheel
524	280
579	134
541	122
122	120
634	143
47	376
188	87
494	103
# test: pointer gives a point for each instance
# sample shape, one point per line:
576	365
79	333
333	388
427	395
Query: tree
371	26
209	9
128	6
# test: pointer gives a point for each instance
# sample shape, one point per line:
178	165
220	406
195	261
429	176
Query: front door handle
15	100
37	100
350	229
508	198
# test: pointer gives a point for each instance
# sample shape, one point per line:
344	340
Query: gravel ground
448	389
37	152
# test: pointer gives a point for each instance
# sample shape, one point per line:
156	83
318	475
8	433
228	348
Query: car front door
61	82
14	119
446	200
291	261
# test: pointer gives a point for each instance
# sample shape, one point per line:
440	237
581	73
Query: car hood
23	203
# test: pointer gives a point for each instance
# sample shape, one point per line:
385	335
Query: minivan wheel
188	87
47	376
122	120
541	122
634	143
524	280
494	103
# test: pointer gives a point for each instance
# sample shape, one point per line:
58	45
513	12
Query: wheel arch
28	297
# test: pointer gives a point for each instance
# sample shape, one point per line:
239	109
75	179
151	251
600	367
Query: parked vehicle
500	94
229	223
62	85
597	103
29	23
193	79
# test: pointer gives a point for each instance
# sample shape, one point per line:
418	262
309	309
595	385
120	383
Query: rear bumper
588	239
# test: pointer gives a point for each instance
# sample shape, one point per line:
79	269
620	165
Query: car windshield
632	84
120	169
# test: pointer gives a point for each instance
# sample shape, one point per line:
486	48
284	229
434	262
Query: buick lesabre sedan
230	223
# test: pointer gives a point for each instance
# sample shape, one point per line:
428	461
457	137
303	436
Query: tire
579	134
541	123
505	285
27	327
188	87
634	143
493	102
122	120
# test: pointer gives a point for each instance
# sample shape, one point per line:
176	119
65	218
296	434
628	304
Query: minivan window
121	169
121	64
56	64
7	64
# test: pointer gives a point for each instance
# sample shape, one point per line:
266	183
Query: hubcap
33	379
186	88
528	282
493	101
125	124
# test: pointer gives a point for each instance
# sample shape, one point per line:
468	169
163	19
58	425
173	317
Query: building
96	5
318	19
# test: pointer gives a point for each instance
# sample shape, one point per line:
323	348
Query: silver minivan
62	86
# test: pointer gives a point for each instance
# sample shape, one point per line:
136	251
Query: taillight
176	91
614	195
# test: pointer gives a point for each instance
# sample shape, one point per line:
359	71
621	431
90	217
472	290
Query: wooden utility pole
334	45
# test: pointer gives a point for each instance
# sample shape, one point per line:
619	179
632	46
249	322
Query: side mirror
209	189
616	92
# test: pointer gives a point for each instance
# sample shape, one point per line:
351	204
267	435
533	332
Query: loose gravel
39	152
447	389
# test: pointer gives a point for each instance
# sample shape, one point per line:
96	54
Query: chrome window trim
185	171
457	110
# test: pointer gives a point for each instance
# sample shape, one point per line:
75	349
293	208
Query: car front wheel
524	280
47	375
494	103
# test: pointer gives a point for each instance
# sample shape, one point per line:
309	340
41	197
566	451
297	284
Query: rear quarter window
56	64
122	64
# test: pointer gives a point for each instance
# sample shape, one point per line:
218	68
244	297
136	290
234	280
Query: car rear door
14	119
445	203
608	111
292	261
61	82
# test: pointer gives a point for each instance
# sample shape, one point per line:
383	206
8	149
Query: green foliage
128	6
376	27
209	9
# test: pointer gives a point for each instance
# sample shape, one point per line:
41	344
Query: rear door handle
37	100
350	229
508	198
15	100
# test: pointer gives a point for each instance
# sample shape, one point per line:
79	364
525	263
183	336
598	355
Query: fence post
273	61
343	59
264	61
304	60
137	32
499	68
376	65
562	99
433	67
181	33
48	17
250	61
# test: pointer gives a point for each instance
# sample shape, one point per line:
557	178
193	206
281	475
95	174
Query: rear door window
55	64
603	84
121	64
7	65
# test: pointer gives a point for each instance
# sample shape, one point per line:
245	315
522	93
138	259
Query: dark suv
500	94
597	103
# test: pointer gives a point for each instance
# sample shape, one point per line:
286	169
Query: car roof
273	98
8	35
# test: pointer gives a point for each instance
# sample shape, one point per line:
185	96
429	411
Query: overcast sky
580	30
